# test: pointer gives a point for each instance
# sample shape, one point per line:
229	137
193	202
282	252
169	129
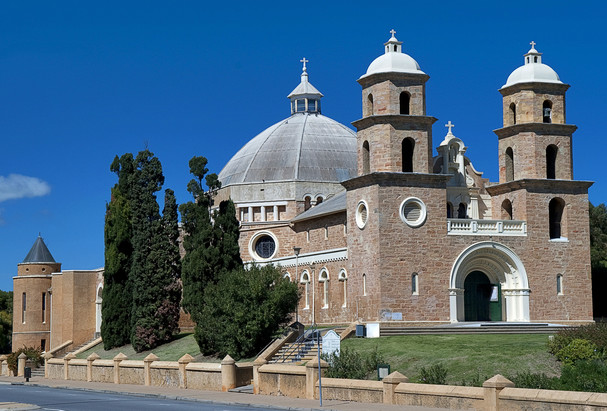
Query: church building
375	228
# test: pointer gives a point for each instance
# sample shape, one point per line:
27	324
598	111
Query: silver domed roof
304	147
533	71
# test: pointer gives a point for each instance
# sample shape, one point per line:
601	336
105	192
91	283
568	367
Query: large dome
533	71
393	60
305	147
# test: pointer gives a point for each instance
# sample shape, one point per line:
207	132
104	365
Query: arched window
509	164
307	203
324	279
43	308
449	210
547	111
462	211
23	307
415	284
513	113
318	200
556	207
305	280
506	210
343	277
408	145
559	284
366	158
405	99
364	284
288	276
370	104
551	153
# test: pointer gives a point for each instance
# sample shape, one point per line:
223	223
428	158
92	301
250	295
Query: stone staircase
38	372
296	353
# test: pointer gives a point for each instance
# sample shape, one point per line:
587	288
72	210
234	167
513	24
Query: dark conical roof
39	253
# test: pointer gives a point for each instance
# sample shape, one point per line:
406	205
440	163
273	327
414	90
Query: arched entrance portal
482	300
489	283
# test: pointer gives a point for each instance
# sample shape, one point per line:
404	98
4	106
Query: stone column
21	364
390	383
47	356
275	213
312	376
89	366
183	376
117	360
256	364
66	369
147	362
228	373
3	363
493	387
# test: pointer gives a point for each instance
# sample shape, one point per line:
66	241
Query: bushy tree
598	257
117	293
243	311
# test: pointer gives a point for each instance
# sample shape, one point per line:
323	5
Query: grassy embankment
465	357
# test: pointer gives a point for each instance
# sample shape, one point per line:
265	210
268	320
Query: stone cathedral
374	227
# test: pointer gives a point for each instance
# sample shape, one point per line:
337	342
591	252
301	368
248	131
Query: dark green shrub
538	381
435	374
352	365
589	376
33	354
595	333
577	350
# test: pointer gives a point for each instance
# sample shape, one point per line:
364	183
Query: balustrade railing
460	226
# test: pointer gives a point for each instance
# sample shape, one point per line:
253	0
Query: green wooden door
482	300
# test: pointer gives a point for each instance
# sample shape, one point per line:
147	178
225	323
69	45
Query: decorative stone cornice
551	129
398	179
541	186
412	78
407	122
535	86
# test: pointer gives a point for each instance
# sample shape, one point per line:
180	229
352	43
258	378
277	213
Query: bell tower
394	134
535	142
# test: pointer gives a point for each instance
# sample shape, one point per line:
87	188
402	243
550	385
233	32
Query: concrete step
482	329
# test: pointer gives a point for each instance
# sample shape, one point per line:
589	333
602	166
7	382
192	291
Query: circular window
413	212
263	246
362	214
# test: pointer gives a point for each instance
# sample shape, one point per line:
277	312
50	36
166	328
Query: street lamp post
296	250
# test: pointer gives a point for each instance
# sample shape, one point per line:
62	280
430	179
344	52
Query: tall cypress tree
147	235
117	301
211	244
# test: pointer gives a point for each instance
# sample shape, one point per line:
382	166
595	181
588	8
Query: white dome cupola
305	98
533	71
393	60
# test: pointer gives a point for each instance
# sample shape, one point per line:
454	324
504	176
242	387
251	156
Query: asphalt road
54	399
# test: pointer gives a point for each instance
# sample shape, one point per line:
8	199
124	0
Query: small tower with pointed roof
305	98
31	297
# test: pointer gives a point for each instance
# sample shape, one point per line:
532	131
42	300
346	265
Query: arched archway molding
501	265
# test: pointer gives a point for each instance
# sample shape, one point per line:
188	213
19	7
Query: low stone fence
302	381
150	371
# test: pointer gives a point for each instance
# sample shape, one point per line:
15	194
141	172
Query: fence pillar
312	376
21	364
66	368
228	373
183	375
117	360
3	363
89	366
390	382
47	356
256	364
493	387
147	362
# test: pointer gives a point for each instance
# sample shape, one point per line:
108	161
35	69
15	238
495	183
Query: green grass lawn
464	356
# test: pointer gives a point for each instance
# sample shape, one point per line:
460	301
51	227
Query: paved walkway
215	397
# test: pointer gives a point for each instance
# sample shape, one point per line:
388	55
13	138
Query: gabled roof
333	205
39	253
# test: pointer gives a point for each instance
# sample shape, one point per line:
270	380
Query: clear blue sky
83	81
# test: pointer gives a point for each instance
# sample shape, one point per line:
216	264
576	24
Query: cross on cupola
450	125
533	56
305	98
393	45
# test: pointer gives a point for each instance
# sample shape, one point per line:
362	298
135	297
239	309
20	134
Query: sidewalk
213	397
